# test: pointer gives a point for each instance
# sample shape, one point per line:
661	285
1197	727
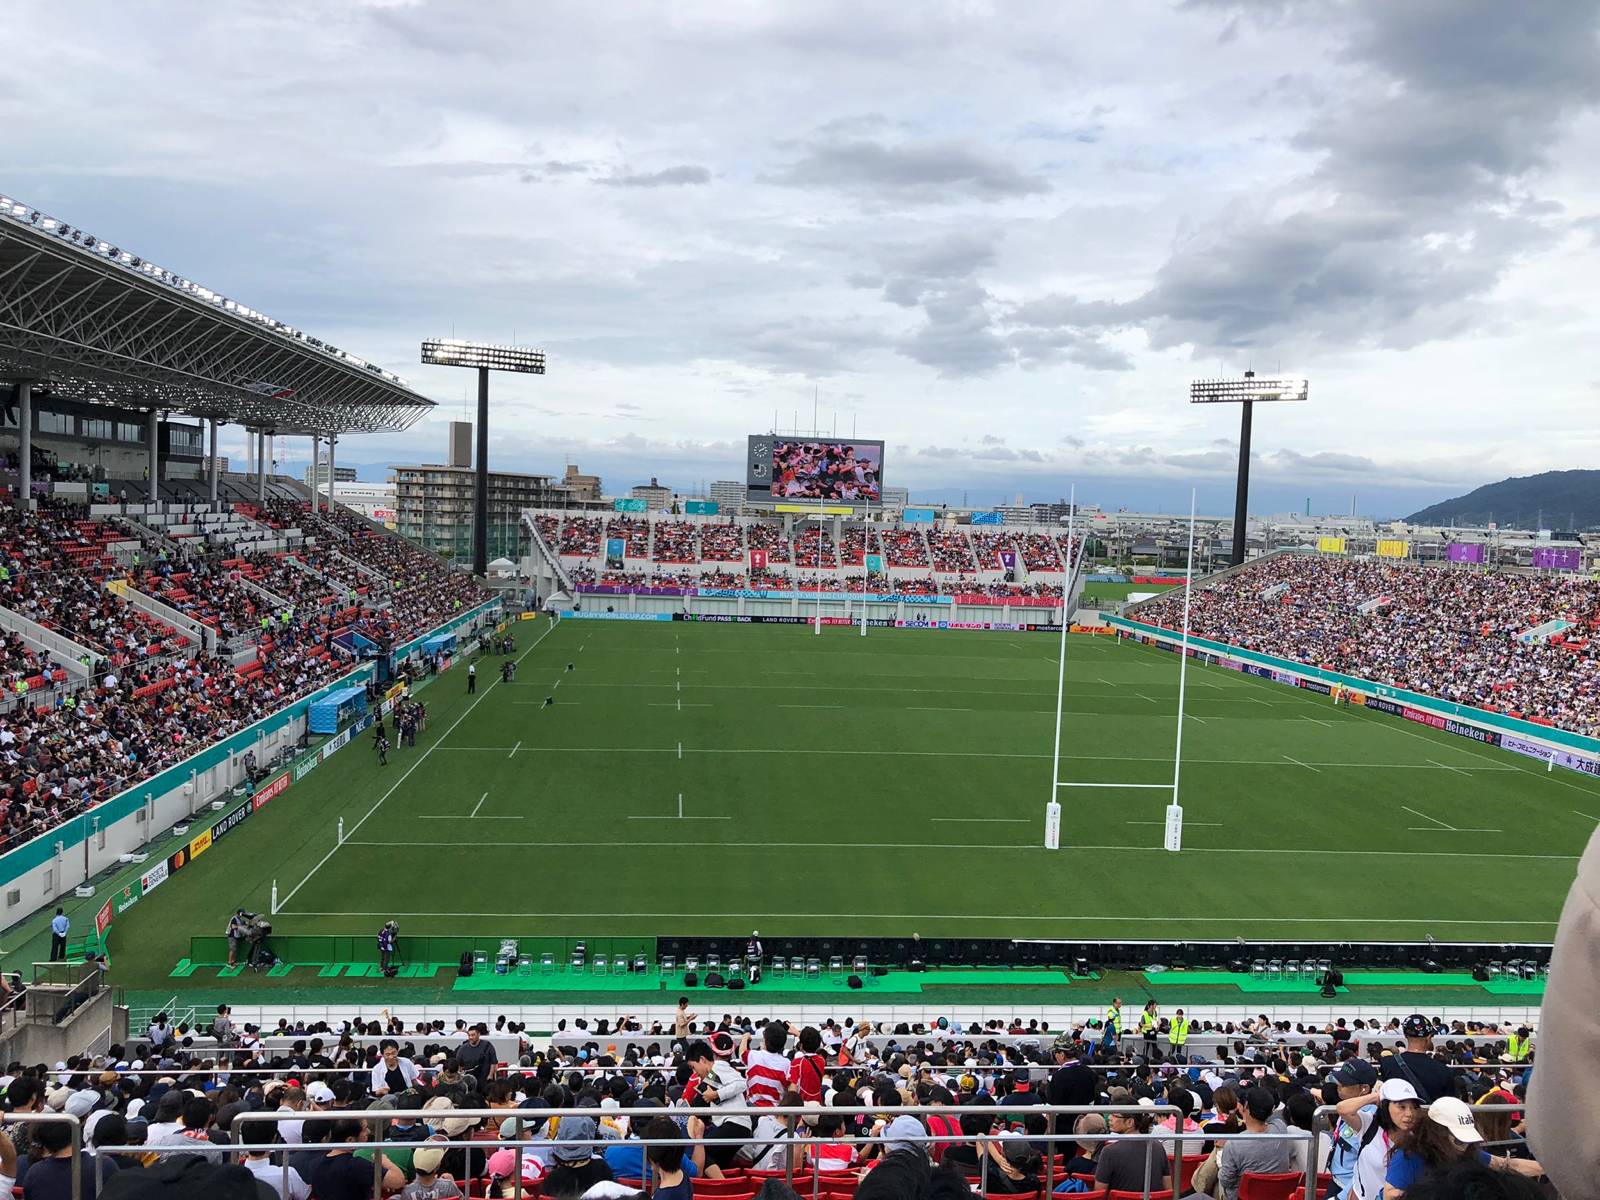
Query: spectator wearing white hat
1444	1136
1398	1110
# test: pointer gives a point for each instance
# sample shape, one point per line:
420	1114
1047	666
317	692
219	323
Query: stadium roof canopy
92	321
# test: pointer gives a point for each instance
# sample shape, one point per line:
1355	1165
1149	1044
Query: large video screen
815	469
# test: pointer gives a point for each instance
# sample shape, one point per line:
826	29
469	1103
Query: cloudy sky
1002	237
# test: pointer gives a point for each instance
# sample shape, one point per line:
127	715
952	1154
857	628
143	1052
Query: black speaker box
854	981
715	979
692	979
736	985
879	972
1480	973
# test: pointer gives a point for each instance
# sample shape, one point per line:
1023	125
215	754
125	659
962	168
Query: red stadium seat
1271	1187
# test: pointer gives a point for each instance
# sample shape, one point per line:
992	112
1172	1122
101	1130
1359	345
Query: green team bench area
630	967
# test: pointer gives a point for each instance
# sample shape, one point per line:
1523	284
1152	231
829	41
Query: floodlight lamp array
15	210
1249	387
483	356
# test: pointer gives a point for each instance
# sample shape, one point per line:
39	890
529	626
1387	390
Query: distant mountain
1555	499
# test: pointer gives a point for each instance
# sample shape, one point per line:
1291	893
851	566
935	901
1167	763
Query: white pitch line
1142	696
1186	824
1447	766
966	849
459	817
481	799
1436	829
1324	724
514	750
900	690
1426	817
815	750
810	706
1307	766
985	820
916	709
465	713
680	749
1187	917
1586	816
671	817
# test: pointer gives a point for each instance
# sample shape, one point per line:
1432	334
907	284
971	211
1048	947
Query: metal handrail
1162	1138
43	1118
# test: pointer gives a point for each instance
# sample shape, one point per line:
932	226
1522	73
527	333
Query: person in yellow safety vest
1519	1044
1178	1034
1111	1027
1149	1025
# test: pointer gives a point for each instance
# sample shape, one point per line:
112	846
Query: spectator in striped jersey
766	1070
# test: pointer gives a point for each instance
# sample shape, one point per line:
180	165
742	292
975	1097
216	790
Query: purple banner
1466	552
1558	558
1577	762
1522	746
608	589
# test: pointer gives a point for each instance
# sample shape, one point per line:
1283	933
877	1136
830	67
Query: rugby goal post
1173	825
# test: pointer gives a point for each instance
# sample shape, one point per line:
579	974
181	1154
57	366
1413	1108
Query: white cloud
956	220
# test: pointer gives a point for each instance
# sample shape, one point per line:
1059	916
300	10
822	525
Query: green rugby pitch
850	786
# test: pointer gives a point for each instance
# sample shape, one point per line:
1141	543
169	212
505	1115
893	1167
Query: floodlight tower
1245	392
483	358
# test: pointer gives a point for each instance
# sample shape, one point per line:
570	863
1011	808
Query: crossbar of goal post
1174	818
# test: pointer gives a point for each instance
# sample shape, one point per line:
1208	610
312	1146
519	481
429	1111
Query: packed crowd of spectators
1040	552
205	591
634	532
153	698
985	1085
1451	633
763	535
814	548
858	541
722	542
904	547
580	535
549	526
951	551
18	662
675	542
988	546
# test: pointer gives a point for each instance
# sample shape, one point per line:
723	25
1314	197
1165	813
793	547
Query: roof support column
261	467
333	440
25	426
211	469
316	466
153	469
